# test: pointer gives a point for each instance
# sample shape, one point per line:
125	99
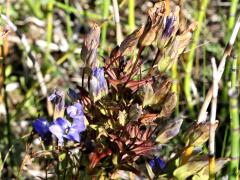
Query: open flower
62	128
41	126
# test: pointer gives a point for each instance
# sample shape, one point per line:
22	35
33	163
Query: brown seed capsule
154	23
90	45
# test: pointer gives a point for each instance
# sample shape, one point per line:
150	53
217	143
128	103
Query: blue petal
78	124
58	128
157	164
72	111
63	123
41	126
75	110
73	135
57	131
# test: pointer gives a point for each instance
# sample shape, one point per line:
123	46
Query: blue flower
98	84
57	98
157	164
75	110
62	128
41	126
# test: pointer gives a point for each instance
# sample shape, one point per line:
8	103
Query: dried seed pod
170	130
198	134
168	105
130	42
154	23
90	45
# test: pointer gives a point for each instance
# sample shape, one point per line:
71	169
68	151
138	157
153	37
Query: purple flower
157	164
75	110
62	128
41	126
98	83
57	98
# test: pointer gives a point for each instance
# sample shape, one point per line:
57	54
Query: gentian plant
118	118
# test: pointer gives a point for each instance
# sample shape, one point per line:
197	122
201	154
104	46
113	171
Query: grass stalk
119	36
231	21
189	66
221	67
50	7
212	123
131	15
234	123
68	23
105	12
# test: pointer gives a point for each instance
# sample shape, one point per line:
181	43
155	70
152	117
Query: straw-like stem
212	123
105	12
119	36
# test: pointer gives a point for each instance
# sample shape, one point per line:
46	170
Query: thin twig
227	52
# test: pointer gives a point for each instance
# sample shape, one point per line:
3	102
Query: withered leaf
130	42
168	105
198	134
170	130
204	173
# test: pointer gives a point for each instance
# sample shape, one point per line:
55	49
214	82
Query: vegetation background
44	53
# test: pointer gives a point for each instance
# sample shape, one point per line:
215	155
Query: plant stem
231	21
234	123
105	12
131	15
212	123
175	86
119	36
49	27
68	23
189	66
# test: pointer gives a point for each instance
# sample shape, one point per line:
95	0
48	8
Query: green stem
234	124
189	66
131	15
49	27
68	23
231	23
105	12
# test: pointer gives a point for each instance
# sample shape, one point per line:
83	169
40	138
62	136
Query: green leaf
61	157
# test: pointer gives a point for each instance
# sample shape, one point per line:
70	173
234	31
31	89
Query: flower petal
41	126
78	124
63	123
57	131
73	135
75	110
